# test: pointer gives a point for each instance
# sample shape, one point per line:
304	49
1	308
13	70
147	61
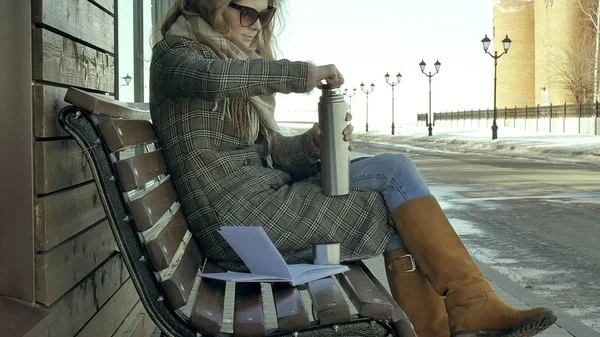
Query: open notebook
265	262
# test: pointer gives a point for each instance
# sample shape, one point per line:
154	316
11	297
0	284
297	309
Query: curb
514	149
565	321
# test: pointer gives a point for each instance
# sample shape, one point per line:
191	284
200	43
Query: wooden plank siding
61	215
61	268
59	164
60	60
107	5
77	307
84	21
80	278
47	102
137	324
111	315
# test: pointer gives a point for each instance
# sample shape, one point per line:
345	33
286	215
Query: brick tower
552	40
516	70
560	36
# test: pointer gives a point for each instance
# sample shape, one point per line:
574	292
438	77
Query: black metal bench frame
83	126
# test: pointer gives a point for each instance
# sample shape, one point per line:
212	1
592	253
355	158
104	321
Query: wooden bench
164	260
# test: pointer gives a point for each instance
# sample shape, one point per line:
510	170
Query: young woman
213	80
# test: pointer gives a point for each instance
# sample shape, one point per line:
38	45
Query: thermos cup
335	157
326	253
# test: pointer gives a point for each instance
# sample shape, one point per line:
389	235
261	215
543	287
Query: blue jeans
395	176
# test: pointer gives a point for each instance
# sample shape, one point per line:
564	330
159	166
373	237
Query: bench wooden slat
400	321
248	317
291	313
365	296
134	172
162	248
178	280
120	134
105	105
147	209
328	301
207	315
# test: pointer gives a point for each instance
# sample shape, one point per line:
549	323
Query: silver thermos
335	157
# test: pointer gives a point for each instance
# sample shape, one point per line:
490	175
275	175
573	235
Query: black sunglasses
249	15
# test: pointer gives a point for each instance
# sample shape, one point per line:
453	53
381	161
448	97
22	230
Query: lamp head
372	86
345	92
423	65
437	65
127	79
486	43
398	77
387	77
506	43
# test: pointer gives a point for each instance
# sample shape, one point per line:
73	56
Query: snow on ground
516	141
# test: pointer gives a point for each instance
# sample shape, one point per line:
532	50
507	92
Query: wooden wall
16	194
78	274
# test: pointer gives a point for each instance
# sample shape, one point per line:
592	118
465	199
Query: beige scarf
257	115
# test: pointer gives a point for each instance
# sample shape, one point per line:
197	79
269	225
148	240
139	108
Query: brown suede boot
473	307
414	294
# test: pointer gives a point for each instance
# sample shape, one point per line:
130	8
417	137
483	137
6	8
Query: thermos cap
328	91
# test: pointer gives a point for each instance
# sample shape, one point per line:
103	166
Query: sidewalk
518	297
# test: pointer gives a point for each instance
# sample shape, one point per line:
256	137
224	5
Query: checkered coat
221	180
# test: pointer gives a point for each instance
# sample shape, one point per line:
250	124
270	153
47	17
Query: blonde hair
212	12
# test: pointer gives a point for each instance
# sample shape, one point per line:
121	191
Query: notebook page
303	273
257	251
243	277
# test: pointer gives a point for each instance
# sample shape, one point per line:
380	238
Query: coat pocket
235	189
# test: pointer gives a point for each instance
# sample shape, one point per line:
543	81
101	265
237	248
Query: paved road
536	221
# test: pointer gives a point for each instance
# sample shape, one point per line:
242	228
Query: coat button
246	162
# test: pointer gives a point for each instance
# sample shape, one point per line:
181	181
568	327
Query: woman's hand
330	74
316	133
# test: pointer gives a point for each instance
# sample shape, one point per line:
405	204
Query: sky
366	39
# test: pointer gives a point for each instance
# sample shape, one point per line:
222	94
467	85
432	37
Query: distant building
551	58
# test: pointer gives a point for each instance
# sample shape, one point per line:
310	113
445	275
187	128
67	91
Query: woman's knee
404	177
397	162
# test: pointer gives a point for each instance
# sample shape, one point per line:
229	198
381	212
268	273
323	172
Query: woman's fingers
331	75
335	80
316	129
349	129
316	133
348	117
348	132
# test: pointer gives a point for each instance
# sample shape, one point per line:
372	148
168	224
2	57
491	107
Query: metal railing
565	118
550	111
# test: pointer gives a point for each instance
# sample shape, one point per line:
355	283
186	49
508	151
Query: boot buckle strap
403	264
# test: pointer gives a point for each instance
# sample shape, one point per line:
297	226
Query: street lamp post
393	84
506	45
350	96
437	65
362	87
